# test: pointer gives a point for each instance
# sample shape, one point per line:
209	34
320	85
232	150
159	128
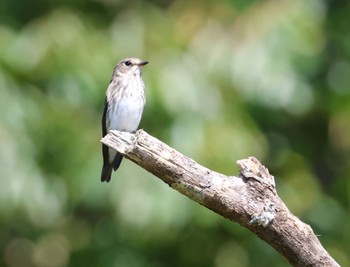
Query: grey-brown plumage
124	103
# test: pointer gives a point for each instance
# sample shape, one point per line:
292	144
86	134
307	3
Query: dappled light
226	80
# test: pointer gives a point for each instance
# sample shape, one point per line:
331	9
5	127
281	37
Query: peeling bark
250	198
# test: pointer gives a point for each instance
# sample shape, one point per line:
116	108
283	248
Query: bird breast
125	105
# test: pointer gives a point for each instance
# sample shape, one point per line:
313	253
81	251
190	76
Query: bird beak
143	63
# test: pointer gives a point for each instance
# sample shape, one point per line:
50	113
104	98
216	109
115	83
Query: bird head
129	66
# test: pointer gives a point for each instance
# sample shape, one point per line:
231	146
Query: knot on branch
251	168
266	216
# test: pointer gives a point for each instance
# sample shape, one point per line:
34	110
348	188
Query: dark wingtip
117	160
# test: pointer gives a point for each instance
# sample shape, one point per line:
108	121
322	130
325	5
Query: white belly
127	115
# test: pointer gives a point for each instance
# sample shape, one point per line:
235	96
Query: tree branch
249	199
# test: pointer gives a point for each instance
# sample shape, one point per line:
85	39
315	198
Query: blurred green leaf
226	80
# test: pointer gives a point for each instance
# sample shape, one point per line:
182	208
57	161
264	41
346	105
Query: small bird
124	103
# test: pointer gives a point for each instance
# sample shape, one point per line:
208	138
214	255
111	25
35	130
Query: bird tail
106	172
107	168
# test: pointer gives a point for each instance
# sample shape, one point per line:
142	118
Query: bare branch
249	199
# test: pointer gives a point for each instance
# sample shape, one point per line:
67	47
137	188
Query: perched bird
124	103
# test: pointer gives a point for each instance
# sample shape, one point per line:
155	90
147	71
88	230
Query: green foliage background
226	80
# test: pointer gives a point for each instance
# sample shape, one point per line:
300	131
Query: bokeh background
227	79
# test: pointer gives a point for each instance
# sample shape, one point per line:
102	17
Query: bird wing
104	132
104	123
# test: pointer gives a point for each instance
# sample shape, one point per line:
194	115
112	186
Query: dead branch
249	199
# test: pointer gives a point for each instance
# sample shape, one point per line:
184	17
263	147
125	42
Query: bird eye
127	63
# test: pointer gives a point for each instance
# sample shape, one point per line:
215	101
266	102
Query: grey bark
249	199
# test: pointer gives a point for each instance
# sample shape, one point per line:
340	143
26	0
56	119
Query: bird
123	107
